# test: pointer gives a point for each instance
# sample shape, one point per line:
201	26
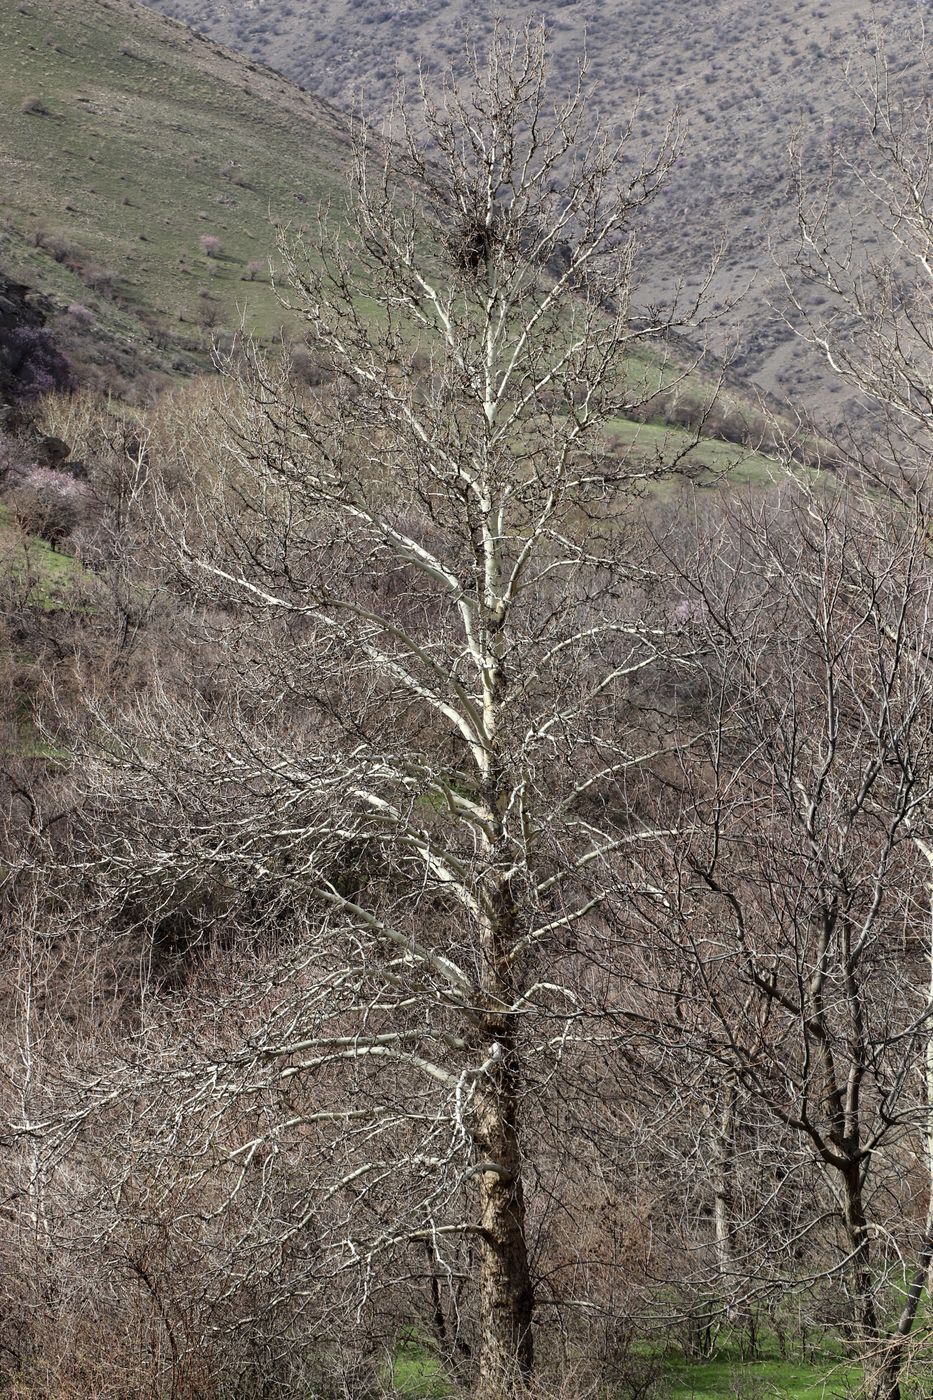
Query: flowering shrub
44	502
50	481
79	312
37	366
687	611
210	245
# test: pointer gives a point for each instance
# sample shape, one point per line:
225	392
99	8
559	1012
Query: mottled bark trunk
723	1197
506	1295
861	1282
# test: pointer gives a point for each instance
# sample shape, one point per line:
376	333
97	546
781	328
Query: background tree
789	923
876	335
799	884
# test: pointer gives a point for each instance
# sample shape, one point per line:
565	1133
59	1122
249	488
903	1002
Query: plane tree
413	764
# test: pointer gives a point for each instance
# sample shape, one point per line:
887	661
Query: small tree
787	926
874	329
790	925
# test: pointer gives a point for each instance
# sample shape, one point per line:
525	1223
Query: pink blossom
62	484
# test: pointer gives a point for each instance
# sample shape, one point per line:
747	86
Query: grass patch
417	1375
706	462
725	1378
44	576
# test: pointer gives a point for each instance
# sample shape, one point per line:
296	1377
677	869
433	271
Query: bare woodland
478	887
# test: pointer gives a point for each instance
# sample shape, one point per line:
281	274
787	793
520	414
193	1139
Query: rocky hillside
745	74
23	338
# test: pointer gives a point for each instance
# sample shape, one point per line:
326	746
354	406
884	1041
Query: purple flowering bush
36	366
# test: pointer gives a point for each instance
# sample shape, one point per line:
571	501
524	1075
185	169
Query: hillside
144	168
141	166
745	75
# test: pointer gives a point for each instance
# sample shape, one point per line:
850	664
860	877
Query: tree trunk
886	1381
506	1294
863	1294
883	1378
723	1202
881	1383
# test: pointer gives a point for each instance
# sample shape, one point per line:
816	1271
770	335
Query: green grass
706	462
44	575
729	1378
417	1375
151	138
826	1372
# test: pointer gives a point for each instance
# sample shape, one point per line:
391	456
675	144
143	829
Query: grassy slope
770	1379
45	575
150	137
707	460
153	138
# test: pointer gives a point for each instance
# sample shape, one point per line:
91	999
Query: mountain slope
140	167
744	73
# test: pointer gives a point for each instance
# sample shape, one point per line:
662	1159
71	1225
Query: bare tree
877	336
793	907
414	763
